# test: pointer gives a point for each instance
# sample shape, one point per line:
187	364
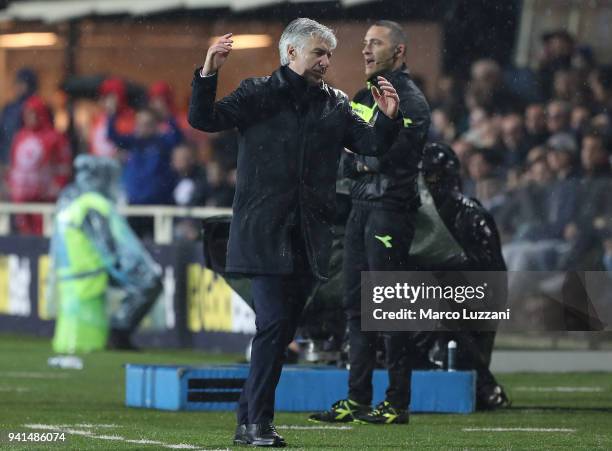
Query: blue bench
301	388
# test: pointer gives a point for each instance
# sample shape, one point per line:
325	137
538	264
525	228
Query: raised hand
386	98
217	54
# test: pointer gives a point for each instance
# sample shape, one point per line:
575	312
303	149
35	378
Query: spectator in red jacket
40	163
113	98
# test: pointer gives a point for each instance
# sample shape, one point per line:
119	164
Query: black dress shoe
264	434
241	437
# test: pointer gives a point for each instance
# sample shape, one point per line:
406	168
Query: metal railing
163	216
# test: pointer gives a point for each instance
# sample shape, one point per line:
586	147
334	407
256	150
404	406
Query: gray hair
297	34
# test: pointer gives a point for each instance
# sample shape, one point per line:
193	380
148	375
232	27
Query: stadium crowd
164	161
534	147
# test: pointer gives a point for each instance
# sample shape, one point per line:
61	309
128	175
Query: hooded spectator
40	163
161	100
113	99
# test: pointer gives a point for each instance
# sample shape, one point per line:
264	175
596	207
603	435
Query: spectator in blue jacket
148	177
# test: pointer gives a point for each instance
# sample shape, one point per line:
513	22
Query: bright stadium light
247	41
18	40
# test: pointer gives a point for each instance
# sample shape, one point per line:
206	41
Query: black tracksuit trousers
377	239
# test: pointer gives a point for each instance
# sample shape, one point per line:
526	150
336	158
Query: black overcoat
288	158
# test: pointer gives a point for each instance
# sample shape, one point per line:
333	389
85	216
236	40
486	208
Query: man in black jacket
293	128
380	229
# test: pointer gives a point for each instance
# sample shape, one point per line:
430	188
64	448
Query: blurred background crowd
164	161
535	150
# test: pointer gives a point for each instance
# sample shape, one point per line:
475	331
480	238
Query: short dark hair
398	36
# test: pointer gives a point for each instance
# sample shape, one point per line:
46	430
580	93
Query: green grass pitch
550	411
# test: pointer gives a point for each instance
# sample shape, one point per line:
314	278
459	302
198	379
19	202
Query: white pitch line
70	430
88	425
518	430
182	446
15	389
144	442
561	389
34	374
314	428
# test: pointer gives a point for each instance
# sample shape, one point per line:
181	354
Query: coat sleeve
411	138
207	115
365	139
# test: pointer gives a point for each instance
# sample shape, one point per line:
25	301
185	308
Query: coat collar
279	79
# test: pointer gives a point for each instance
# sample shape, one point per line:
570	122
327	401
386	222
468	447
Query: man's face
312	61
592	153
512	130
145	124
182	158
478	168
20	88
379	54
110	103
535	119
540	173
559	160
557	118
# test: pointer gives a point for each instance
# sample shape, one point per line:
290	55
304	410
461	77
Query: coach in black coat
293	128
291	138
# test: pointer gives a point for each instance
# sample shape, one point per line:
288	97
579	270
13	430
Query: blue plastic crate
301	388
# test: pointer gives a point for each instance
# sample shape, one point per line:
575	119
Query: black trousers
278	302
376	240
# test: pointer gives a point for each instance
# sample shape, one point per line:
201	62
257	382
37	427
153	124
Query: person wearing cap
25	85
93	248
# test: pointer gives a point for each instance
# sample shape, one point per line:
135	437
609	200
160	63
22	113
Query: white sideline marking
518	430
562	389
69	429
34	374
144	442
307	428
16	389
182	446
89	425
78	425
